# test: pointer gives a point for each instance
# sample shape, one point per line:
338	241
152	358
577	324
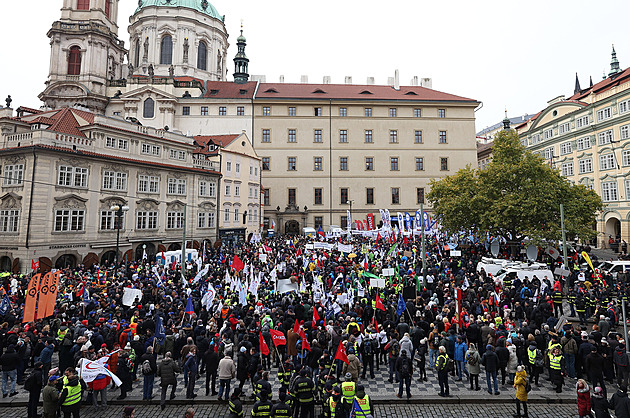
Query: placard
388	272
263	258
377	283
129	296
310	246
561	272
456	253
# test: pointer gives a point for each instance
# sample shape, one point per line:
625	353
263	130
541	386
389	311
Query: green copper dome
202	6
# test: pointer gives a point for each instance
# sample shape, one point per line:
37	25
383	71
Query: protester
521	385
227	371
50	397
583	398
34	385
490	360
167	370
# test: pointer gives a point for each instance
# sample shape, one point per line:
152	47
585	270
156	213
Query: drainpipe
30	202
330	163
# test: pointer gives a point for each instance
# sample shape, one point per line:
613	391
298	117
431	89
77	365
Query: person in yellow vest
557	369
348	388
333	407
71	394
364	403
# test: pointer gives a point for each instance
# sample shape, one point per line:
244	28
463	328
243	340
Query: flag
90	370
341	353
366	265
296	327
277	337
34	264
378	236
144	254
379	303
401	305
375	323
266	248
160	333
86	296
237	264
200	274
305	344
588	260
189	307
174	263
357	411
43	295
315	317
5	305
264	349
321	232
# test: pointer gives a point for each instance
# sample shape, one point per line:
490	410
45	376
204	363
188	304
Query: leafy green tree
517	195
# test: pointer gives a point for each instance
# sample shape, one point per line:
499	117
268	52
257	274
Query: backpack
367	347
436	341
450	365
471	359
395	350
404	369
146	367
538	361
528	387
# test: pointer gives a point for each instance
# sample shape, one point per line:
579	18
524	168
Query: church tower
241	61
85	53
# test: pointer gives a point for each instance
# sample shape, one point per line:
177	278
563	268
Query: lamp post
118	213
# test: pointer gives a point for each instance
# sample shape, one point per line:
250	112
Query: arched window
166	50
83	4
74	61
149	108
136	59
108	8
202	56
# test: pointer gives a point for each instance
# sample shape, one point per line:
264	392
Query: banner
277	337
588	260
427	221
389	219
43	295
408	222
90	370
31	299
129	296
418	221
349	219
401	223
370	221
48	308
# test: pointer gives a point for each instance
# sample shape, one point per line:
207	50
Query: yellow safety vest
332	404
437	362
74	395
364	403
554	362
347	391
532	355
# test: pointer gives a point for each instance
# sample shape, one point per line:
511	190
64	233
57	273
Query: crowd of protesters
337	329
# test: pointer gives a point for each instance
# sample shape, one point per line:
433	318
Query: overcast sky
503	53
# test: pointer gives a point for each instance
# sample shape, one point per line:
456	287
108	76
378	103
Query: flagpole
183	264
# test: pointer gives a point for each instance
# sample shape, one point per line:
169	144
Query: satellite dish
532	252
494	247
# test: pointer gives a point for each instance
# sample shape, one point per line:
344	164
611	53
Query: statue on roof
171	71
8	100
186	50
145	56
151	71
130	67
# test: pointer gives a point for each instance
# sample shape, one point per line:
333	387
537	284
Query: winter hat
489	347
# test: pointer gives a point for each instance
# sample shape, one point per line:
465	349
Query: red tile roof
230	90
353	92
220	140
61	120
604	85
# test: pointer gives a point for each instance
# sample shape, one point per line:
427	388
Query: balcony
202	163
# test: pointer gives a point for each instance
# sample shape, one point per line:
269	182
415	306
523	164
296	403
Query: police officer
333	407
281	409
557	369
71	394
262	407
348	390
557	303
235	406
304	388
364	403
263	384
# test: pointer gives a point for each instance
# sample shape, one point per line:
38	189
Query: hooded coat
584	400
520	381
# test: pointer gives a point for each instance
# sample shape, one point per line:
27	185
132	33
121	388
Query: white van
309	232
523	273
493	265
335	231
614	267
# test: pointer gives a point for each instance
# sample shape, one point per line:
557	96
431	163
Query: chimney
414	80
370	81
261	78
326	79
348	79
390	81
396	81
304	79
281	80
426	82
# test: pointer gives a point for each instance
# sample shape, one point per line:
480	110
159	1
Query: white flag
201	273
90	370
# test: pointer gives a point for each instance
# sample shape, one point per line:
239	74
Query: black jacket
490	360
619	402
34	382
9	360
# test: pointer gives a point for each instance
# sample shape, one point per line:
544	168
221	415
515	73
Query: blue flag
401	305
86	297
160	333
5	305
357	412
189	306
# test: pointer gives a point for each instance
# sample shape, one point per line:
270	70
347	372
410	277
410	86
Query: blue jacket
46	354
460	351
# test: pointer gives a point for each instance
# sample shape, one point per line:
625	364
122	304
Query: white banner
388	272
129	296
377	283
90	370
344	248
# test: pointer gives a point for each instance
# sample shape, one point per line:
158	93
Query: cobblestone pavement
382	411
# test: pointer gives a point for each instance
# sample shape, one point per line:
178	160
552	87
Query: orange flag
44	288
51	299
31	299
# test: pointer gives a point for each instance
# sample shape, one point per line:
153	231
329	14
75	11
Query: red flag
266	248
305	344
237	264
378	236
277	337
379	303
174	264
315	317
406	240
263	344
34	264
296	327
341	353
375	323
31	298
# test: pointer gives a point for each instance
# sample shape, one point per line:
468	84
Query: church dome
202	6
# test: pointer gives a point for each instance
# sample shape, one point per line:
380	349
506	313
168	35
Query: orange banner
43	295
51	300
31	299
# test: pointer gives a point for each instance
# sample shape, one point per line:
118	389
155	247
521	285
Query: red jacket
584	401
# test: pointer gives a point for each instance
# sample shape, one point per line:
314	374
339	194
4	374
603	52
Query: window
343	163
369	196
549	154
266	135
623	106
108	220
205	220
548	134
174	220
83	4
368	137
368	112
535	139
68	220
624	132
266	111
292	111
317	164
148	110
605	137
395	195
202	56
237	167
108	8
74	61
136	55
204	110
72	176
344	222
292	166
343	112
291	196
317	111
292	135
393	163
369	163
419	164
266	196
319	221
606	162
222	110
266	161
177	155
441	113
177	186
121	144
343	136
166	50
318	199
581	122
627	183
343	195
564	128
146	219
393	137
609	191
604	114
226	216
228	189
228	166
625	158
317	135
567	169
237	190
393	112
420	195
151	149
114	180
417	138
442	137
186	110
417	113
13	174
148	184
444	163
584	143
9	220
566	148
585	166
240	111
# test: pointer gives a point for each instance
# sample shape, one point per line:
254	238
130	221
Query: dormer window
214	92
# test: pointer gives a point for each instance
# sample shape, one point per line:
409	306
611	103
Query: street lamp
118	213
